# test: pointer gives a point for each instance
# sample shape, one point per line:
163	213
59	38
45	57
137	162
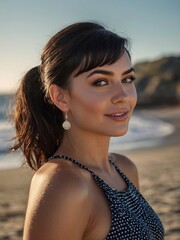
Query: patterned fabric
132	217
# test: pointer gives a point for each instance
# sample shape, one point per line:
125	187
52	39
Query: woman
66	111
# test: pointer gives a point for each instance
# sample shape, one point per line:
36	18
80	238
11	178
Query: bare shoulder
58	178
127	166
55	203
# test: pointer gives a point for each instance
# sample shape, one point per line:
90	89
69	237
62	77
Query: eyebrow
128	71
109	73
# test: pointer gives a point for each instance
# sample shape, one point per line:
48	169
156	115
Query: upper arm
56	209
128	167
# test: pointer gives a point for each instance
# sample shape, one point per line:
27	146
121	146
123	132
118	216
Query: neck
88	148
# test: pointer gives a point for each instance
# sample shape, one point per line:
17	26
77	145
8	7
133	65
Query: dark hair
75	49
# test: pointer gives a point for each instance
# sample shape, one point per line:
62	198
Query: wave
6	134
144	131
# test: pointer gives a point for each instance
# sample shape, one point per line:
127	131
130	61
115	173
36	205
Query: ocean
144	131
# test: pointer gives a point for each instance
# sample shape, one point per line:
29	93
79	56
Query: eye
129	79
100	82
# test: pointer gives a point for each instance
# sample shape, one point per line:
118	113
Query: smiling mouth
120	116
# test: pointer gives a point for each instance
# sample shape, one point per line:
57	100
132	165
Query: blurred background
154	133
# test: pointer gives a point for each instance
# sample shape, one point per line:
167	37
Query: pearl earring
66	124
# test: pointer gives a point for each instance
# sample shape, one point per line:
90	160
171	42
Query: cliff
158	82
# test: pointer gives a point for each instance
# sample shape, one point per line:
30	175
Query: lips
118	116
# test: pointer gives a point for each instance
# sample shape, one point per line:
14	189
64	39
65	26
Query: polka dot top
132	216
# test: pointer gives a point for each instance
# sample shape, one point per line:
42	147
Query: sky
153	28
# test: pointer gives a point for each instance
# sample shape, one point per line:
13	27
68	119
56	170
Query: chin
120	133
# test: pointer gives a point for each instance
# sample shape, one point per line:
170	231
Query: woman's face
102	99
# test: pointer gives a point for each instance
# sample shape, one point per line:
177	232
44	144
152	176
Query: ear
59	97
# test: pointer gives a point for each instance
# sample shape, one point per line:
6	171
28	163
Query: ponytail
37	122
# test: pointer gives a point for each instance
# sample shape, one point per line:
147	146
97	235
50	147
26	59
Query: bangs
100	48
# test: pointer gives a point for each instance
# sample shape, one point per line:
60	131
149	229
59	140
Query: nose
120	94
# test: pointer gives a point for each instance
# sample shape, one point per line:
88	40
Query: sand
14	187
159	174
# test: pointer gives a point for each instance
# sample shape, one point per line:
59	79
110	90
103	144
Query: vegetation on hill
158	82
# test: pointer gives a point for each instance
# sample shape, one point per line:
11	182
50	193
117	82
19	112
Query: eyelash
98	82
132	79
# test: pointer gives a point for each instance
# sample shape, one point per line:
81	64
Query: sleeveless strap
97	178
127	180
73	161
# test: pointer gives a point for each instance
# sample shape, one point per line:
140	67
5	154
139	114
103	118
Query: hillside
158	82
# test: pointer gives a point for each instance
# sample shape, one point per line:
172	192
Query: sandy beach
159	173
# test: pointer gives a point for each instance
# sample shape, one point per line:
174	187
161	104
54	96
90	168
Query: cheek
87	103
86	110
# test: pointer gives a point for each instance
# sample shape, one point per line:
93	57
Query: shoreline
158	168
